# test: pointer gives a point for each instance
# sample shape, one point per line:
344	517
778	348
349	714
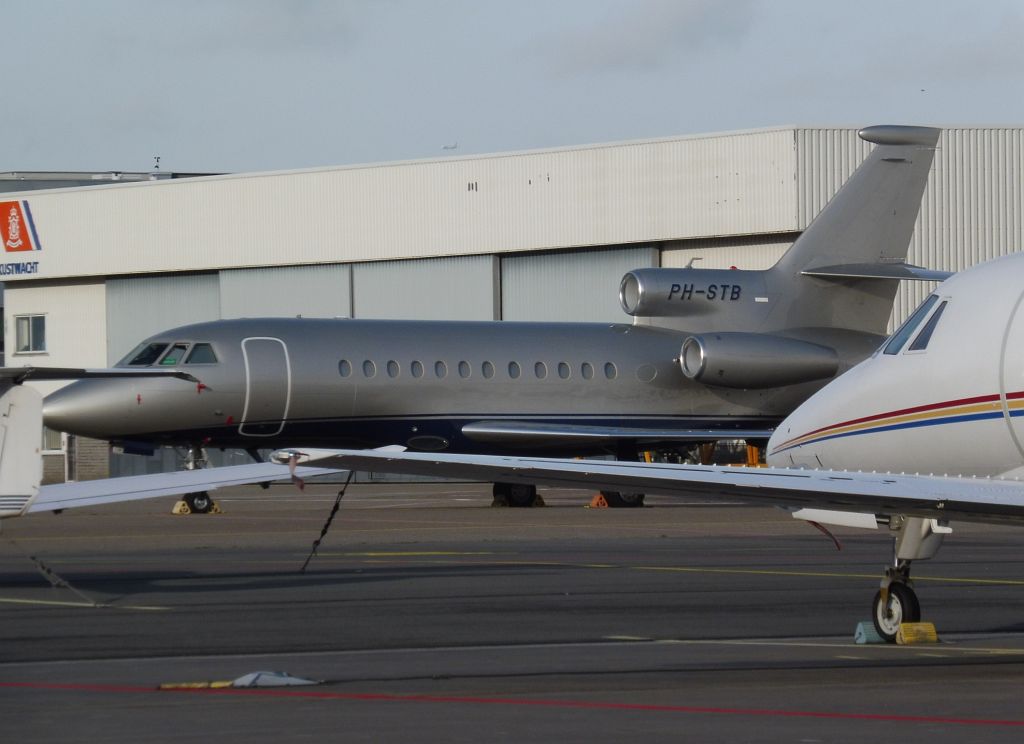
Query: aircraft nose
79	408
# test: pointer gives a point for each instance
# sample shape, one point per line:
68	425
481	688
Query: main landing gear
896	602
516	495
198	502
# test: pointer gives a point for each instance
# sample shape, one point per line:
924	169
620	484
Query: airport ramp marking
98	606
371	697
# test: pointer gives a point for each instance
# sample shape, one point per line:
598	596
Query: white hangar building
537	235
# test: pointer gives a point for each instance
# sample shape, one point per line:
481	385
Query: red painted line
519	702
914	409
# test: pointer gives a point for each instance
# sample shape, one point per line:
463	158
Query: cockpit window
921	342
174	355
201	354
145	354
899	339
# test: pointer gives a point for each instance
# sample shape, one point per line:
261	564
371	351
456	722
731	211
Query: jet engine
649	293
755	360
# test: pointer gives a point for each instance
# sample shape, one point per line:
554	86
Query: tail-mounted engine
755	360
649	293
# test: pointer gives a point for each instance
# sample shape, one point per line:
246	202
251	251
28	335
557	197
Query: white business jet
928	430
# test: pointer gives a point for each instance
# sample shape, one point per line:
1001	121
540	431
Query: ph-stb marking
721	292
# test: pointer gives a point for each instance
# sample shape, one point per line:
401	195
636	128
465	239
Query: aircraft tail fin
21	459
869	221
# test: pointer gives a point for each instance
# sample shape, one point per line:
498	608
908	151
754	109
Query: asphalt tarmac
429	616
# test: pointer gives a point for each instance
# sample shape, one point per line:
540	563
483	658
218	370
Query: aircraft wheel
902	607
621	500
199	503
521	496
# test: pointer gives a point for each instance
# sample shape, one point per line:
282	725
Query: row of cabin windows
487	370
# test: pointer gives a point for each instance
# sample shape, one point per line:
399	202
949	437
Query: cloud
641	36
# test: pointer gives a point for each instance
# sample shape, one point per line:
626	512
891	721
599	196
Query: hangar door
138	307
580	285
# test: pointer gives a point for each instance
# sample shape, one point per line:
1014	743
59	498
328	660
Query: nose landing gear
896	602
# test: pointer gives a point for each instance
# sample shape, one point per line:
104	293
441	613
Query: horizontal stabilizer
18	375
529	434
895	271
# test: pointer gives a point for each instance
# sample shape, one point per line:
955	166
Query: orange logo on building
17	230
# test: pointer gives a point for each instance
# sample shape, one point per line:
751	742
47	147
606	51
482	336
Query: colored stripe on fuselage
978	408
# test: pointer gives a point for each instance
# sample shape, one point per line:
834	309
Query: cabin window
344	368
899	339
464	369
174	355
145	355
540	370
587	370
610	371
440	370
563	370
201	354
487	369
921	342
514	370
417	369
369	368
30	333
392	368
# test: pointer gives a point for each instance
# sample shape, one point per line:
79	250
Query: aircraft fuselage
360	383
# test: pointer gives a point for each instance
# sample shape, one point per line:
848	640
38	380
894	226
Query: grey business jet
713	354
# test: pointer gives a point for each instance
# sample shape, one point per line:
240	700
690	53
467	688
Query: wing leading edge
930	497
136	487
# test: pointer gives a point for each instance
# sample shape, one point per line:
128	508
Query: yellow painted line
850	658
880	647
404	554
53	603
626	638
822	574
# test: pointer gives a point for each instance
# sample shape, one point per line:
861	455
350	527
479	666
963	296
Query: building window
52	440
29	333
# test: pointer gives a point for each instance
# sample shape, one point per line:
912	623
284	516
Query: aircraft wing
18	375
930	497
532	434
136	487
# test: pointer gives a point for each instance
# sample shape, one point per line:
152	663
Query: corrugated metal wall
138	307
460	288
578	285
752	253
972	206
635	192
287	291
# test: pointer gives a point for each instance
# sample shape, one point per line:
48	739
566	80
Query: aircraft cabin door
1011	378
268	386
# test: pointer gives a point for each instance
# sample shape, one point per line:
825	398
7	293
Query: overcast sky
246	85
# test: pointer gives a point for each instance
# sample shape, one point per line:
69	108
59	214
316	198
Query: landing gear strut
896	602
200	501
